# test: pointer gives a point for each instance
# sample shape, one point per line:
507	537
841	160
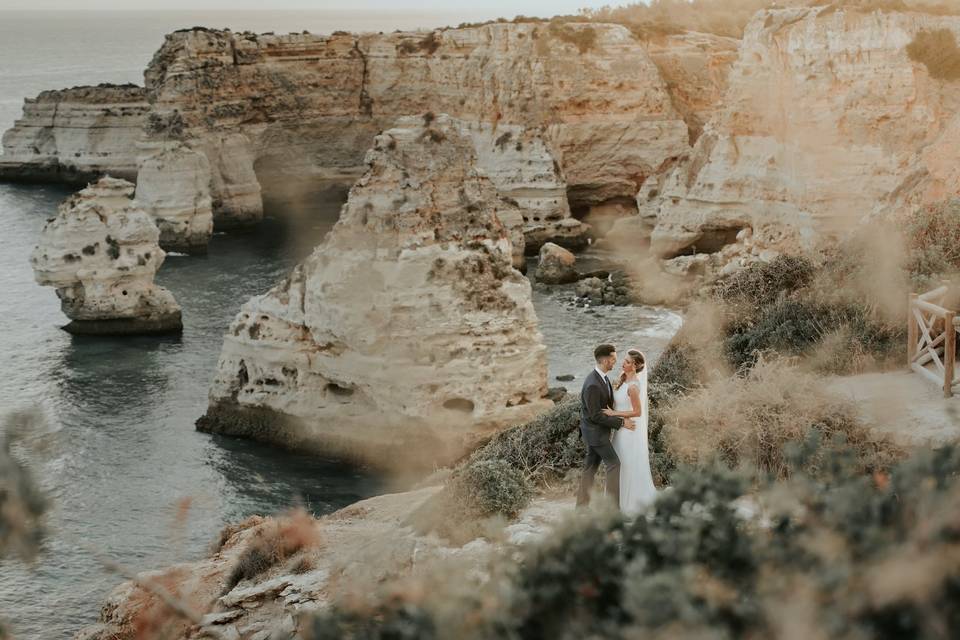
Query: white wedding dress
637	490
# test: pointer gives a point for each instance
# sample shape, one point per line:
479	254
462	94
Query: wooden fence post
912	331
949	353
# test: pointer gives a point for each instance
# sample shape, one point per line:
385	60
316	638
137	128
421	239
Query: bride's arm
636	411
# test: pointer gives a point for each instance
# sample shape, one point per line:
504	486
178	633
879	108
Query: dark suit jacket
594	398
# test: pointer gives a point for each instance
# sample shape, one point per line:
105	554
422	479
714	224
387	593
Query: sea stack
101	254
407	333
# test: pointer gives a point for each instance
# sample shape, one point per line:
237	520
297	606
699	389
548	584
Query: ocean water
125	458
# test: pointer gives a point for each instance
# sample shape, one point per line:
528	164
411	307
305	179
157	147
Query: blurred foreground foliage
22	503
723	554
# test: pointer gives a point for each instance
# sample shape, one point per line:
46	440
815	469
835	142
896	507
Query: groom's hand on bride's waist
628	424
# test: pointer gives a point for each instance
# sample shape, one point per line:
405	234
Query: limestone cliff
173	186
406	333
76	135
310	105
695	67
827	114
524	172
586	101
101	253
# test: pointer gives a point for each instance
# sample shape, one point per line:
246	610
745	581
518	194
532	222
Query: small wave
664	325
177	254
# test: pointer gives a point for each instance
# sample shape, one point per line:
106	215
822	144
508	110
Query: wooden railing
932	338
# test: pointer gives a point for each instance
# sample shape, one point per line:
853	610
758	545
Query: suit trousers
595	454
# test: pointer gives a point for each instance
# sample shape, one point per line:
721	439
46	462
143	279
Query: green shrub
543	449
674	372
762	283
479	495
794	326
844	555
493	487
933	236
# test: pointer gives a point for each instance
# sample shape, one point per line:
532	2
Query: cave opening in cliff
709	240
304	207
601	216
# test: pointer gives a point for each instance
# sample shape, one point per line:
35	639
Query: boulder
555	265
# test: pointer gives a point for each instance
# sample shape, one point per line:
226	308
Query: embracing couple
620	409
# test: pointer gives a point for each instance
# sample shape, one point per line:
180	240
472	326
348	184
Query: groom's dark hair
603	351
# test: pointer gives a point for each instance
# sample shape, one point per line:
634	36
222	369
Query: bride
630	401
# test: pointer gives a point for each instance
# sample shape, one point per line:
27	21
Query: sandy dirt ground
903	404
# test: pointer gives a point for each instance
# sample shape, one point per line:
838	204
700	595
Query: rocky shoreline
354	548
470	149
675	128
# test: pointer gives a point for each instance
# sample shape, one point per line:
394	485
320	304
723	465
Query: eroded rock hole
709	241
339	390
459	404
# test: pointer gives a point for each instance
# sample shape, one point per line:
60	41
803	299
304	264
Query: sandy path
902	404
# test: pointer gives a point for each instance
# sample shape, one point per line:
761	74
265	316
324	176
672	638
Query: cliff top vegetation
730	17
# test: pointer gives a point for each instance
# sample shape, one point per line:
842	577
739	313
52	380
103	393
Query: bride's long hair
638	363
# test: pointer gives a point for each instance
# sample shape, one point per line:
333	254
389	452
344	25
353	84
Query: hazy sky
498	7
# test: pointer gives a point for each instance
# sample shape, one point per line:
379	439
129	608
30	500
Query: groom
597	395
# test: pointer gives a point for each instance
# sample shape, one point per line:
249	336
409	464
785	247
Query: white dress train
637	490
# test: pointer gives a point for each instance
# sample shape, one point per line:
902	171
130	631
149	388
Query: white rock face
76	135
406	333
696	67
524	171
310	105
101	253
233	180
825	116
265	109
173	187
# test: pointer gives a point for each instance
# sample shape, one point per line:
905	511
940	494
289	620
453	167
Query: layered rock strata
265	109
310	105
829	112
76	135
101	253
695	67
406	333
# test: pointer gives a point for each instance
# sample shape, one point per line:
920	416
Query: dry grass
839	352
763	282
750	420
274	543
933	239
659	17
730	17
583	37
